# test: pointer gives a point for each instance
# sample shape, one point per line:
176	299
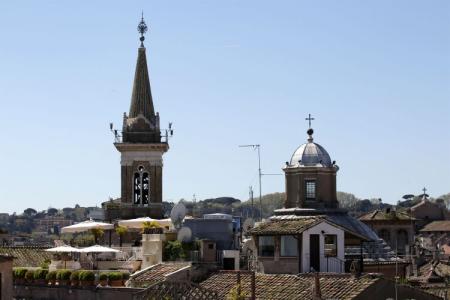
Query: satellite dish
248	224
184	235
177	214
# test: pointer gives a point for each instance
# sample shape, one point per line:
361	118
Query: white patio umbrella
98	249
86	226
63	249
139	222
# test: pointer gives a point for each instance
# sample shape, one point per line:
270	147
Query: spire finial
310	130
142	29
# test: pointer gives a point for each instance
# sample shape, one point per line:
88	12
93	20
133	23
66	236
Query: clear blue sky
374	74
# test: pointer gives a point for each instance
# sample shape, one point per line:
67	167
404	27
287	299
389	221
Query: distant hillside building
141	147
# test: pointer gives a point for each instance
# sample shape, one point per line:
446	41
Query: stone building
396	228
141	147
311	232
427	211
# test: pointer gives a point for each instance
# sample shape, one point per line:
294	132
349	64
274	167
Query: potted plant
121	231
151	227
97	233
115	278
103	277
51	277
40	276
29	276
87	278
125	277
74	278
63	277
19	275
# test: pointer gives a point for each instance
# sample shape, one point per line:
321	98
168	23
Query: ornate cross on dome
142	29
309	119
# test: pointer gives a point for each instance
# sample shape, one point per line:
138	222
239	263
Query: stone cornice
125	147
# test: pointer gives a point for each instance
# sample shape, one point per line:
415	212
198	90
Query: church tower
141	147
311	177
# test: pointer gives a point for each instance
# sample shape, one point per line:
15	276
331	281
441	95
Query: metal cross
309	119
424	191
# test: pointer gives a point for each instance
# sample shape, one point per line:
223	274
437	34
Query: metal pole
259	170
258	146
253	207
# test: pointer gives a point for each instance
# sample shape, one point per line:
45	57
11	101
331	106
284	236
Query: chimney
316	294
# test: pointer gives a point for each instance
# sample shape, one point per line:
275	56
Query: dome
311	155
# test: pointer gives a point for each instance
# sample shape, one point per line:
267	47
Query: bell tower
311	177
141	147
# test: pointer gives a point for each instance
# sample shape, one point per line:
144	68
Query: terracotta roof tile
27	256
285	227
437	226
389	216
155	274
280	286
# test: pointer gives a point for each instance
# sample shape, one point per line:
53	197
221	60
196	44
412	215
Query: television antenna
177	214
115	132
257	147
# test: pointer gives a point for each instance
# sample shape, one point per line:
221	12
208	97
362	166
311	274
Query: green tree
174	250
97	233
121	231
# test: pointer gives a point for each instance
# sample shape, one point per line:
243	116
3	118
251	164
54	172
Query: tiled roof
437	226
384	215
432	270
27	256
286	226
280	286
155	274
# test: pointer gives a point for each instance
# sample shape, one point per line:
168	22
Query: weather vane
142	29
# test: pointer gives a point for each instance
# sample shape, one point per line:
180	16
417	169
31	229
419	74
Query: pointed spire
141	98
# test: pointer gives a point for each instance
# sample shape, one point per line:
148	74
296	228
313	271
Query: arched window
141	187
385	235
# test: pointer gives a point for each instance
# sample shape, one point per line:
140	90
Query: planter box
74	282
86	283
115	282
40	281
63	282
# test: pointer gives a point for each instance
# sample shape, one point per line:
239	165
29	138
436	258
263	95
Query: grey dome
311	155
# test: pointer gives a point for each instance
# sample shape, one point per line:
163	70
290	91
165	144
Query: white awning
63	249
98	249
85	226
138	223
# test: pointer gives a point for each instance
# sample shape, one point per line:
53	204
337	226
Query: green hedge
103	276
63	274
115	276
19	273
75	275
51	275
87	276
40	274
29	275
